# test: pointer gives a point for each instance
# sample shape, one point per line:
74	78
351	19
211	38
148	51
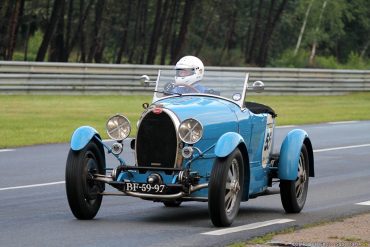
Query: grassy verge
36	119
27	120
336	233
318	109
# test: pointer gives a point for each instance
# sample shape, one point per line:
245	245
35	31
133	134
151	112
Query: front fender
227	143
289	154
82	136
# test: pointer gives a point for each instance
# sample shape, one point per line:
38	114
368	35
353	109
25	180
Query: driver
189	73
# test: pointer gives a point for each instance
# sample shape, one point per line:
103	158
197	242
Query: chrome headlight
190	131
118	127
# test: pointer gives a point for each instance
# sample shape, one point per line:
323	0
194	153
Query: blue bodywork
227	143
290	152
82	136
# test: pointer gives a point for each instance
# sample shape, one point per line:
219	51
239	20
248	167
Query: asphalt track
34	209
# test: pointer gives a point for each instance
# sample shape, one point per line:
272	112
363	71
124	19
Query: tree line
233	32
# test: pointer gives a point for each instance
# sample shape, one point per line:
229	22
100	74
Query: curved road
34	209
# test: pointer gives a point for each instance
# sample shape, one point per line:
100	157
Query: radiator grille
156	143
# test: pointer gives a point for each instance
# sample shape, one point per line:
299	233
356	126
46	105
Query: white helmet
189	70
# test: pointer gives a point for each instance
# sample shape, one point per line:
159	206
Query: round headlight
118	127
190	131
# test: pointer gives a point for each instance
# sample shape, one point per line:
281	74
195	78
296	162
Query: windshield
230	85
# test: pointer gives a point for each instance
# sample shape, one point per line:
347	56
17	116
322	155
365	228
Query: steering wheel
189	88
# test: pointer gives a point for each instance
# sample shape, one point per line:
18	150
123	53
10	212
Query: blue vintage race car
211	147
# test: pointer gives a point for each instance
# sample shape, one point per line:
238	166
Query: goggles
184	72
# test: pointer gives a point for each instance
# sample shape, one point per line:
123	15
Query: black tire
83	192
225	189
172	204
293	194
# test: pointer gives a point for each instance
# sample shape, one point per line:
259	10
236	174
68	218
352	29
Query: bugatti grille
156	141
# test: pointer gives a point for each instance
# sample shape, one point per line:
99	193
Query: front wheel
293	193
225	189
83	192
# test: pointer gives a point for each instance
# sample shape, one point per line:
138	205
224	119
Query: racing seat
258	108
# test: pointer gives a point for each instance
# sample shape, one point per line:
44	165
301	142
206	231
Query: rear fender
82	136
227	143
290	152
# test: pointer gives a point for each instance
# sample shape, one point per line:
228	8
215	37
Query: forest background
274	33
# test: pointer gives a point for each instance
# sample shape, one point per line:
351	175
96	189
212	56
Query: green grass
27	120
265	239
268	237
318	109
41	119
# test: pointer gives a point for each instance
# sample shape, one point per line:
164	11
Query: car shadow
194	214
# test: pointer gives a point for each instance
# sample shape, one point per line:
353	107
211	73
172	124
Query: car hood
216	115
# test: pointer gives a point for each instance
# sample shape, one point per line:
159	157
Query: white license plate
145	188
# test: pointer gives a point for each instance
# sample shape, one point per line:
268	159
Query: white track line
331	123
343	122
31	186
6	150
340	148
367	203
286	126
247	227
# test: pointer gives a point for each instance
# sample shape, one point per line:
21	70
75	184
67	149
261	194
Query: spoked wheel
294	193
225	189
83	192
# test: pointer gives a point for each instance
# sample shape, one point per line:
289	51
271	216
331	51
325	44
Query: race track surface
34	210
